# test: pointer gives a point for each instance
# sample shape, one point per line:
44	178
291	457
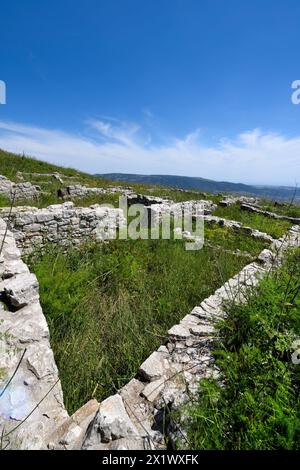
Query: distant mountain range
202	184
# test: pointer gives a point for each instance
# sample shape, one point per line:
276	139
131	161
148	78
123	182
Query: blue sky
188	87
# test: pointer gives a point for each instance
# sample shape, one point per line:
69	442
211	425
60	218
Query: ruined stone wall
133	418
136	416
64	224
24	335
272	215
238	226
229	200
166	207
16	191
80	191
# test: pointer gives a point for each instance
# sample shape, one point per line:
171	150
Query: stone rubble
170	376
238	226
24	330
80	191
61	223
57	176
16	191
137	416
145	200
164	207
251	208
229	200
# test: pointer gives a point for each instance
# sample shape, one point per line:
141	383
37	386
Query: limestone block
20	290
179	332
110	423
154	367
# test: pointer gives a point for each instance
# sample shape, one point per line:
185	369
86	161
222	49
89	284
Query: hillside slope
202	184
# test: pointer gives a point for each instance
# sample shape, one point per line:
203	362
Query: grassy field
290	210
10	164
275	228
230	239
177	195
109	306
46	200
259	407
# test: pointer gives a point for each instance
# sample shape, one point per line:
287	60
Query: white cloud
114	146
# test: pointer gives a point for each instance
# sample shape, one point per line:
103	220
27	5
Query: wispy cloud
114	146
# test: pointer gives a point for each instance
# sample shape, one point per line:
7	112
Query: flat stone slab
110	423
154	367
153	390
179	332
21	290
202	330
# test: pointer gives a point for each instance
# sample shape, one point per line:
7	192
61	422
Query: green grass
46	200
4	201
259	406
109	306
290	210
11	163
230	239
177	195
275	228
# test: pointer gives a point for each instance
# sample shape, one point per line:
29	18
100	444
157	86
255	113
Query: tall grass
258	407
234	240
10	163
275	228
291	210
109	306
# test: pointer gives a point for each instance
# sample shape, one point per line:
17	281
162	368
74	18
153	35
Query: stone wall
238	226
137	416
24	334
78	190
61	223
145	200
272	215
67	224
16	191
167	207
229	200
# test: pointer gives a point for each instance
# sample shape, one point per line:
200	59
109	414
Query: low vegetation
177	195
275	228
109	306
291	210
258	404
46	200
10	164
229	239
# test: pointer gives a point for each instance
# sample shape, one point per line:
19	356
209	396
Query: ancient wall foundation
135	417
64	224
26	352
16	191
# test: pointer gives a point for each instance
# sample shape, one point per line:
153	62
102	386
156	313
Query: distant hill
202	184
